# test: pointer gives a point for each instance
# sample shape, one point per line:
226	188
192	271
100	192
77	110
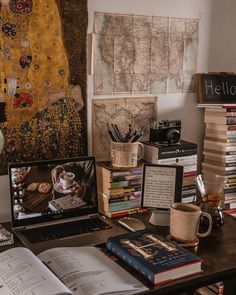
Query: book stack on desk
119	189
183	153
220	148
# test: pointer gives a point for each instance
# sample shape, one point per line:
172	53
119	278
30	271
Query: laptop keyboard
64	230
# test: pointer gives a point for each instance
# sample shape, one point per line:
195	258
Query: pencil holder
126	154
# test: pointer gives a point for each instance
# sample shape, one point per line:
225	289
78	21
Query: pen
112	135
119	133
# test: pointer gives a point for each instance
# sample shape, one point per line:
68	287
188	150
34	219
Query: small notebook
6	238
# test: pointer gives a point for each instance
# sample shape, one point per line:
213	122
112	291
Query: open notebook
54	203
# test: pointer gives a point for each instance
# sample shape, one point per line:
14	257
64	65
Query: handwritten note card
162	185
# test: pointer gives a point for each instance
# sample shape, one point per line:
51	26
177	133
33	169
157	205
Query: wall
174	106
223	37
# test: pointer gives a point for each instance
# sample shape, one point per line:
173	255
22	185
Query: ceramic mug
66	179
185	220
126	154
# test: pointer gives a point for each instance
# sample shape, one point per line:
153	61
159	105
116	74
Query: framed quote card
162	185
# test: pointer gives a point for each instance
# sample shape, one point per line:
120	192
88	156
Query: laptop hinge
56	222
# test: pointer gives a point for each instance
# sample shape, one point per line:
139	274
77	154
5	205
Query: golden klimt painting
43	79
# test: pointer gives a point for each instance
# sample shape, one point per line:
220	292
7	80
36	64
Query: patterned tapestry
43	78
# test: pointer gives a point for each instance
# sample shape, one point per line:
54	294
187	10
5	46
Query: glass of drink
211	188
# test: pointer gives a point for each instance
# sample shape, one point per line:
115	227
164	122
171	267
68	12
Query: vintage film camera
166	132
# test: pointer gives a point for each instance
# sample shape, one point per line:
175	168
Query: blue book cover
156	258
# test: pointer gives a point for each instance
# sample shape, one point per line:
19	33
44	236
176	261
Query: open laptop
54	204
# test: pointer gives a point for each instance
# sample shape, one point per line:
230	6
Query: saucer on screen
60	189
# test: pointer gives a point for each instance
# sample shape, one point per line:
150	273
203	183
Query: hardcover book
106	171
124	212
220	127
220	120
156	258
155	151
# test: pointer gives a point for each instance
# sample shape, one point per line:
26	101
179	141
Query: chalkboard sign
216	88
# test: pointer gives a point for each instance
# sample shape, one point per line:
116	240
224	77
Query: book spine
119	206
122	199
153	153
229	191
188	199
126	178
124	255
188	187
230	186
230	120
124	212
191	173
220	163
190	168
126	183
118	191
109	173
230	206
125	196
188	192
179	160
220	120
220	127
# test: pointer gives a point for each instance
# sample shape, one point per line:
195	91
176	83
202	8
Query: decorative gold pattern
43	78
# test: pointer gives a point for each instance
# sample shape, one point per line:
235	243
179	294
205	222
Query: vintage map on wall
137	111
147	54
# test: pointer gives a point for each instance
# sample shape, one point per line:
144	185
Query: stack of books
183	153
220	148
119	189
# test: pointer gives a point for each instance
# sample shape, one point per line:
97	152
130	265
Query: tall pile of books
220	148
183	153
119	189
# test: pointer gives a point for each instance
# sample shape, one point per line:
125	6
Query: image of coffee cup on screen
66	179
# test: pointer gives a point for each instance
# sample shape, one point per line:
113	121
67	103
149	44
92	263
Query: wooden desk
218	252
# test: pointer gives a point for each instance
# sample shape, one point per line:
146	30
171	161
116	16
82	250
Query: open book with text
64	271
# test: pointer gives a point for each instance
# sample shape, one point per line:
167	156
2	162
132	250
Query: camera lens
173	136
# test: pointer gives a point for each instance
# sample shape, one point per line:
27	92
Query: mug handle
141	153
208	216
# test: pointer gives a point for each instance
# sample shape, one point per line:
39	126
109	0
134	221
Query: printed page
22	273
88	271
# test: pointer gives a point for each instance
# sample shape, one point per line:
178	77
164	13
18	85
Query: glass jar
211	188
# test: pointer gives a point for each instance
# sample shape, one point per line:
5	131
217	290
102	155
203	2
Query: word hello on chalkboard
216	88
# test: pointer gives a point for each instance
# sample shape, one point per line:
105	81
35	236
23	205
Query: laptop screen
50	190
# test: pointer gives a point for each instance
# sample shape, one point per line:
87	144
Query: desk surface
218	252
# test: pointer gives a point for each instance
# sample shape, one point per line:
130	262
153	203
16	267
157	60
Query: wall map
136	111
147	54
